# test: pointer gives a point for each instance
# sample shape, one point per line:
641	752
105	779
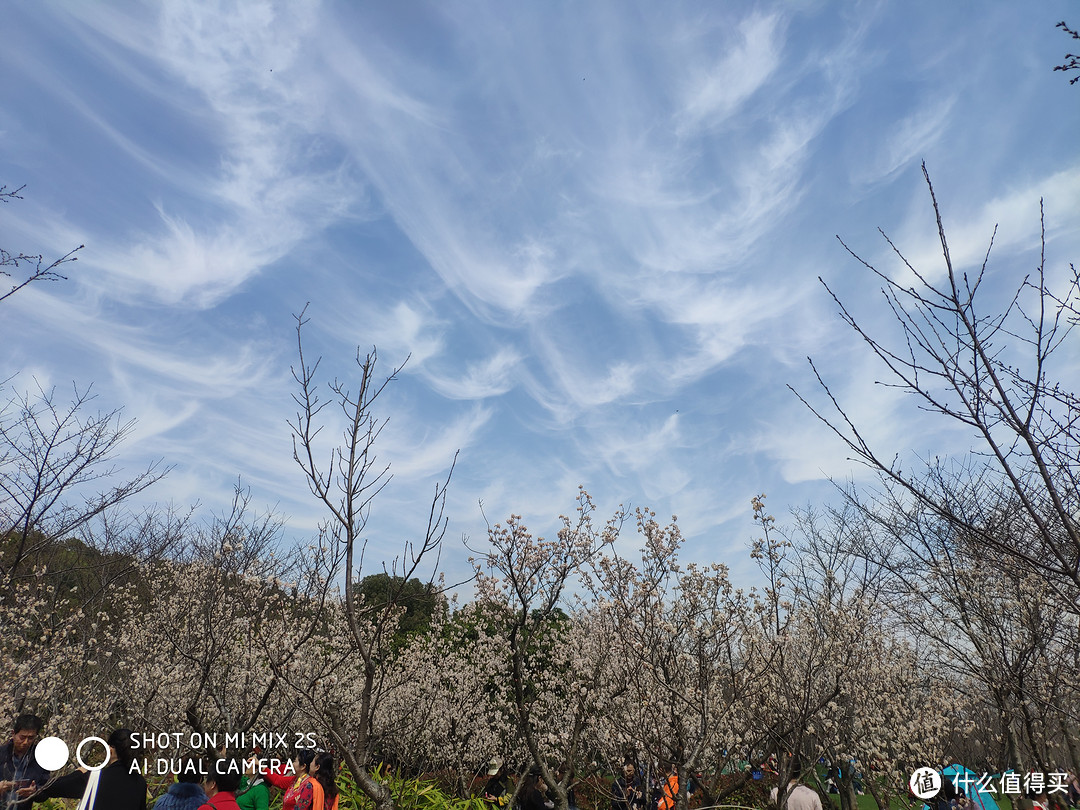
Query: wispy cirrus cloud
910	140
274	185
716	93
490	377
1011	219
596	230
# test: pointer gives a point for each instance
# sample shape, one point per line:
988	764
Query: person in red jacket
220	786
292	783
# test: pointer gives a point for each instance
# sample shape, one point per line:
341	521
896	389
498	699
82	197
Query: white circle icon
78	753
51	753
925	783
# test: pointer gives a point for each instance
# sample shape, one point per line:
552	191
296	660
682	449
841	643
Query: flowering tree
63	649
894	705
42	649
196	627
683	656
980	618
557	665
450	711
820	636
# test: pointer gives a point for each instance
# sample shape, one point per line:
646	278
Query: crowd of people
309	783
657	788
633	789
212	783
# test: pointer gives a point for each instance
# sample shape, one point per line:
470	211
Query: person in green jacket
256	796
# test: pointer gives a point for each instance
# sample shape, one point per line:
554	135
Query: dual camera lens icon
52	753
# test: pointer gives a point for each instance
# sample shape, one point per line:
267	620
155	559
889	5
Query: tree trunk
848	798
824	789
732	788
881	798
1012	747
462	787
561	797
1070	742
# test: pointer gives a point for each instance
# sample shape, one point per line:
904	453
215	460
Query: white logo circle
925	783
78	753
51	753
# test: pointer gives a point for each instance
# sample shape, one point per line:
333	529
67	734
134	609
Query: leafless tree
1072	60
53	456
52	453
350	662
27	269
993	371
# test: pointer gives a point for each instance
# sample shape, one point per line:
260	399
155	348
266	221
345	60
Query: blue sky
595	227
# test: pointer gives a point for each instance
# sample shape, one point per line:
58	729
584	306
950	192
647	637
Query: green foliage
754	793
77	571
419	599
410	793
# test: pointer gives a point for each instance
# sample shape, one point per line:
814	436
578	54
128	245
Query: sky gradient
595	229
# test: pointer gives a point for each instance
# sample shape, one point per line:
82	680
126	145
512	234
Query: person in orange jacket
324	783
670	792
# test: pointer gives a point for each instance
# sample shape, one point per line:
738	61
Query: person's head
222	777
303	759
120	746
190	772
27	729
628	769
494	766
795	768
325	771
255	777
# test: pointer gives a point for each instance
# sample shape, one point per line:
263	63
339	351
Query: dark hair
224	777
190	771
120	742
327	775
28	722
306	757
